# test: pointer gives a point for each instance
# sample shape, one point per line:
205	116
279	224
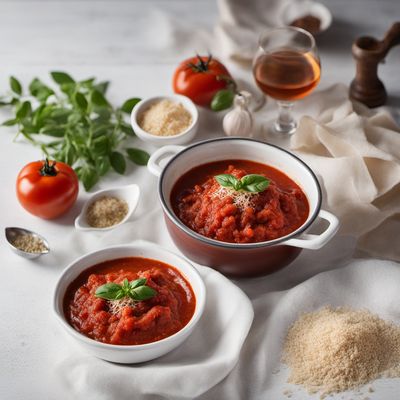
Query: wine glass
287	68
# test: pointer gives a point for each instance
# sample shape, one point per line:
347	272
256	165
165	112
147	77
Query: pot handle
153	164
314	242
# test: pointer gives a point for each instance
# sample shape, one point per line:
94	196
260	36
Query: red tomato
199	78
47	189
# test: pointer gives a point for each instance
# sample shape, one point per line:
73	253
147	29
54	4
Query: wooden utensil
368	52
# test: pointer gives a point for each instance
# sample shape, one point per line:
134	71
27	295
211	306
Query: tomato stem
201	65
48	169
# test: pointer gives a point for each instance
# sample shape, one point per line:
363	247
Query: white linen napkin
201	362
356	154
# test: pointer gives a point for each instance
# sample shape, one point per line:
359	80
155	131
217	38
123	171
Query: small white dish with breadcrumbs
108	208
165	120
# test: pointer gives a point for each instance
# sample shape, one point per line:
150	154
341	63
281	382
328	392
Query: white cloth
204	359
241	22
356	154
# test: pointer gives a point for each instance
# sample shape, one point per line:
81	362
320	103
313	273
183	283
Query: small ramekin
184	137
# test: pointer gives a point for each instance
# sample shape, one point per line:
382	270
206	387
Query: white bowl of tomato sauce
129	303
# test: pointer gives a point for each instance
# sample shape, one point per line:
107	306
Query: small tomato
47	189
200	78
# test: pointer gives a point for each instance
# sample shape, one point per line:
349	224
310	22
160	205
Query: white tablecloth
137	45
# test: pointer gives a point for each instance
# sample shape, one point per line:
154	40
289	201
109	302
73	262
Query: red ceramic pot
234	259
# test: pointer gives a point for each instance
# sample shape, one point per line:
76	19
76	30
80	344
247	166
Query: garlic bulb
239	121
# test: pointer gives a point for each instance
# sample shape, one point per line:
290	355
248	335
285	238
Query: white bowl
301	8
129	193
184	137
130	353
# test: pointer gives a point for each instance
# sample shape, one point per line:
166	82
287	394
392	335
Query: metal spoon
12	232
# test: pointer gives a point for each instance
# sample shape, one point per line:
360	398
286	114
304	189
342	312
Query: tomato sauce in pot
146	321
207	208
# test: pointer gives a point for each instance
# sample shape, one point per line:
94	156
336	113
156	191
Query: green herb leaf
127	129
129	104
81	101
55	131
142	293
118	162
120	295
98	99
254	183
222	100
61	77
109	291
10	122
24	110
102	87
136	290
125	286
138	282
15	85
138	156
103	165
89	176
38	89
229	181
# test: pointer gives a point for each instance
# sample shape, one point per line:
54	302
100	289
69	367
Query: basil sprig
137	290
252	183
74	122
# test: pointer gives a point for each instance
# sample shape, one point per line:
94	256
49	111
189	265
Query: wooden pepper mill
368	52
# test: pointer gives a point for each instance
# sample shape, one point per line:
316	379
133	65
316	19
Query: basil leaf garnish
144	293
137	282
109	291
252	183
227	180
136	290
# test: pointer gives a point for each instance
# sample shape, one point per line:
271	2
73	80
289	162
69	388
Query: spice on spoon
29	243
106	211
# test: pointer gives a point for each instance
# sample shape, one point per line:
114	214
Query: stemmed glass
287	68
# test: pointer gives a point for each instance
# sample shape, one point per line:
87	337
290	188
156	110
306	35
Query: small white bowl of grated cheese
165	120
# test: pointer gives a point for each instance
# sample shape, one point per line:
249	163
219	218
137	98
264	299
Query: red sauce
273	213
148	321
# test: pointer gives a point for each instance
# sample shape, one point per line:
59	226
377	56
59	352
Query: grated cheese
116	306
165	118
240	198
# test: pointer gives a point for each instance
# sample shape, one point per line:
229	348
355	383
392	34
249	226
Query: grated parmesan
116	306
240	198
165	118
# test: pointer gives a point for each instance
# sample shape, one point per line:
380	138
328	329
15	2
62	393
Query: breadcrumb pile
165	118
334	350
